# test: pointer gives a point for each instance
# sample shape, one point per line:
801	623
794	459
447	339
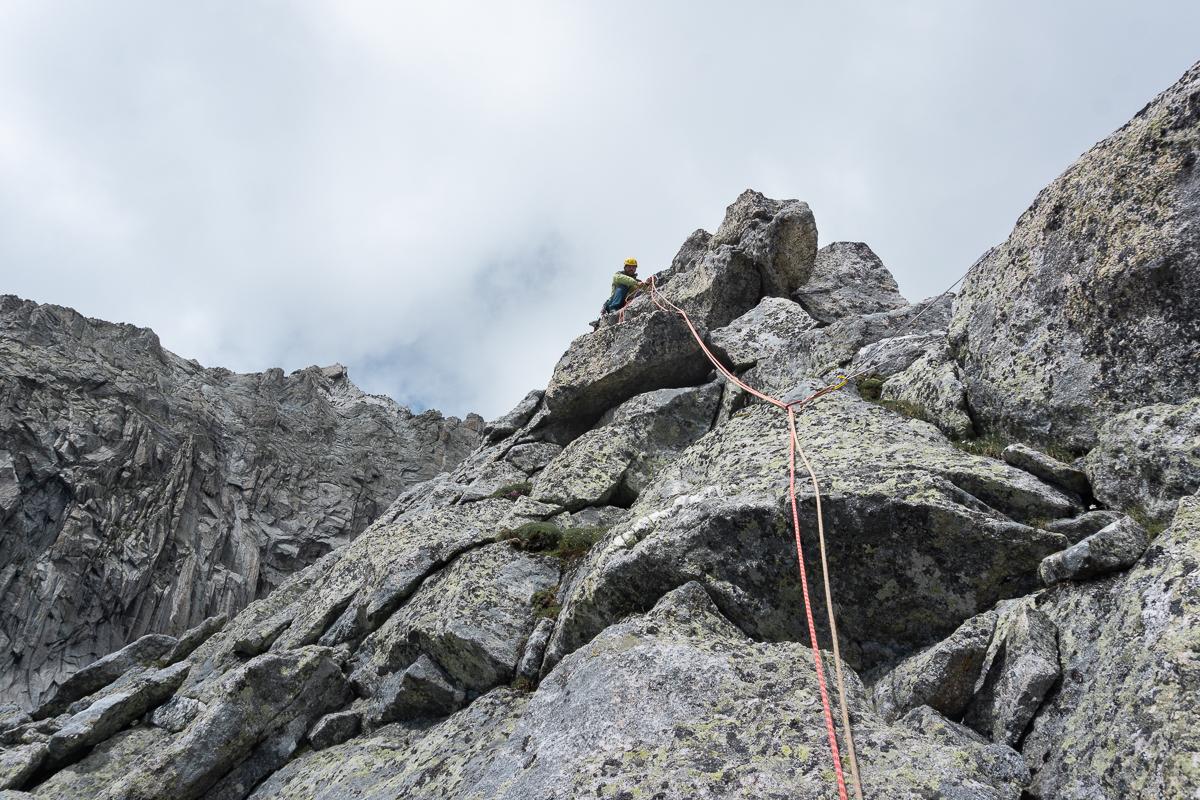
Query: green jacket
621	279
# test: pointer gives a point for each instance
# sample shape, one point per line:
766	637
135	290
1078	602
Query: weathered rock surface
422	689
440	655
150	649
895	354
1148	458
778	236
514	420
1078	528
836	347
616	459
111	713
19	764
1111	548
998	761
941	677
1097	681
334	729
253	703
768	332
1050	469
921	534
1021	668
650	350
744	727
142	493
848	280
472	618
932	387
1092	305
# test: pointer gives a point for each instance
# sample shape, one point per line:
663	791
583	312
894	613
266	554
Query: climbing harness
793	448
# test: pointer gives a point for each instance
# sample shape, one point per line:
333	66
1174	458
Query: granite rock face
1114	547
763	247
927	534
1148	458
932	387
142	493
676	702
1092	305
848	280
1095	681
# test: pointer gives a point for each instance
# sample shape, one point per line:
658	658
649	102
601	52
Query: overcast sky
437	194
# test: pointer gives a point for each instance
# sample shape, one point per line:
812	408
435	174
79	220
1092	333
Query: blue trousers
617	300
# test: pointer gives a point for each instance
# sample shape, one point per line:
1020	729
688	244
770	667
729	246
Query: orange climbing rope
794	448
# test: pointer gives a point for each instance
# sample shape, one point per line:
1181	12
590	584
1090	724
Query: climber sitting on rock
624	286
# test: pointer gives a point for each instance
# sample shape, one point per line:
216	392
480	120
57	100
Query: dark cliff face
142	493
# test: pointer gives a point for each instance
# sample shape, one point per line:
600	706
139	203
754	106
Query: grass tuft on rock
990	445
870	388
567	544
545	603
576	542
1153	526
513	490
903	408
535	537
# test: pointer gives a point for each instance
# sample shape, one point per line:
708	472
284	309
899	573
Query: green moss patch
545	603
513	490
870	388
567	544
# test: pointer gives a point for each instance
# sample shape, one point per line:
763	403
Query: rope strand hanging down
794	447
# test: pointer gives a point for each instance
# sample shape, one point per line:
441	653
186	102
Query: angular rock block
1113	548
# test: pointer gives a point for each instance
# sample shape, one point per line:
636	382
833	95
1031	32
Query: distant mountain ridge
141	493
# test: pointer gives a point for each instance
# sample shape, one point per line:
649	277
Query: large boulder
1125	721
1148	458
1111	548
941	676
1067	477
848	280
778	236
111	713
613	720
769	331
1022	666
844	345
1097	682
763	247
649	350
615	460
255	703
149	649
1090	306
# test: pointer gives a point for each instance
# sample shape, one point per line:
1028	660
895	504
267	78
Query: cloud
436	195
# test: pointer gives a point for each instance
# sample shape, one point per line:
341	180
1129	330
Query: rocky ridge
141	493
602	599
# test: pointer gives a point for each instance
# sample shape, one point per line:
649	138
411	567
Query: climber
624	285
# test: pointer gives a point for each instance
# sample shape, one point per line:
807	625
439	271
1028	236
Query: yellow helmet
631	262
